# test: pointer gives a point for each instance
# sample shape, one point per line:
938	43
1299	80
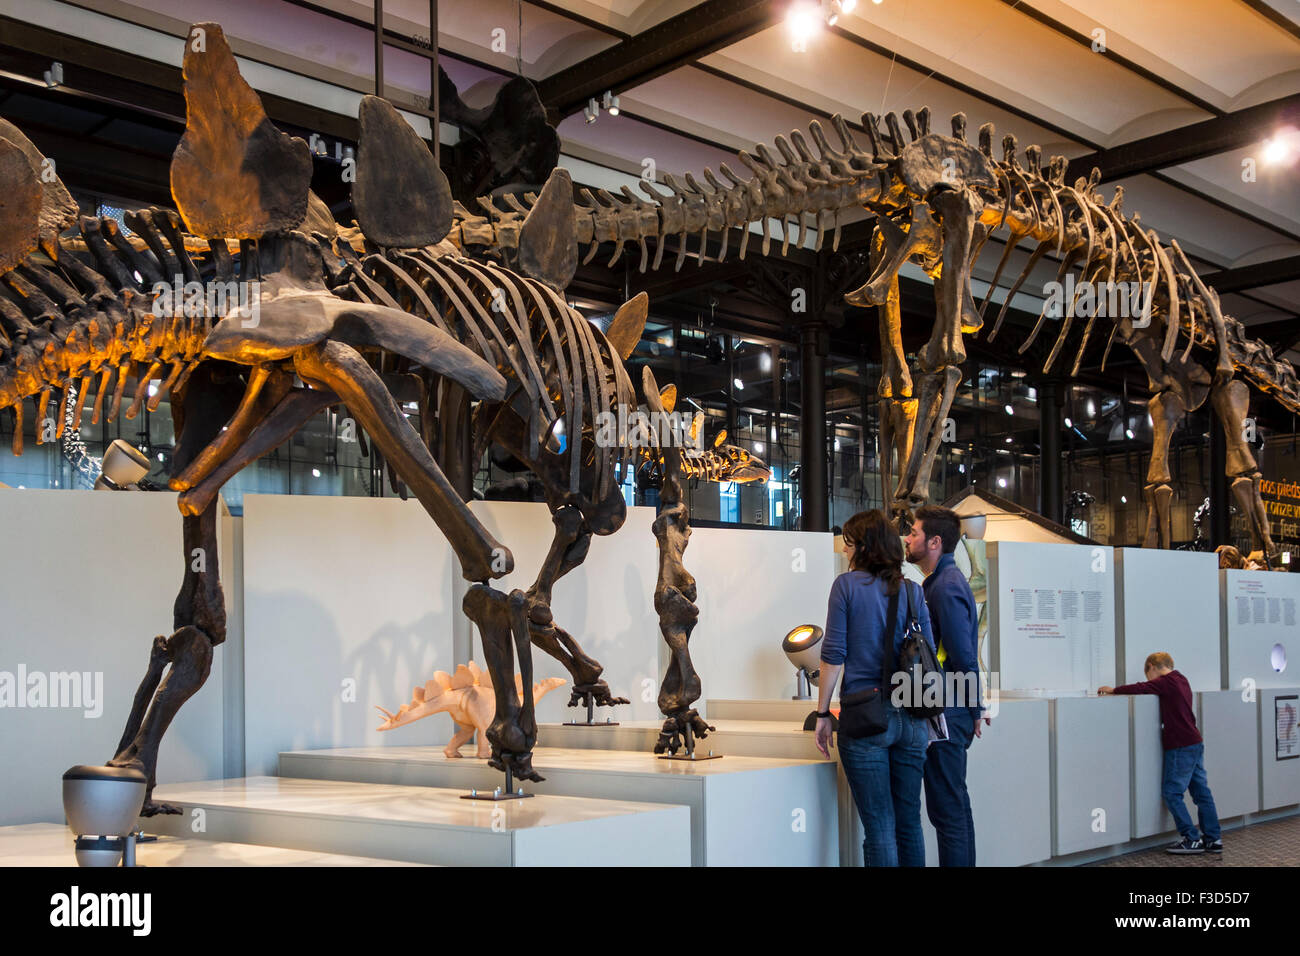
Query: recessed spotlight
738	383
758	448
315	472
1002	482
1123	499
1068	423
1008	409
1008	439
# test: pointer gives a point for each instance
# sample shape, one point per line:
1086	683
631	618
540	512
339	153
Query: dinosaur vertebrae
64	323
562	368
820	186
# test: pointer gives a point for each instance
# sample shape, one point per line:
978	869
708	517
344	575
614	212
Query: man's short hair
1159	659
944	522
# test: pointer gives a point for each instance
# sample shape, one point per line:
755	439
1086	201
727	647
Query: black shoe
1186	846
1212	846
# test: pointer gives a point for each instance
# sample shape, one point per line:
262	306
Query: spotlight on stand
102	804
124	465
801	647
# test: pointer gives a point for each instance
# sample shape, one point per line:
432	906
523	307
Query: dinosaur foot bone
678	729
597	694
518	765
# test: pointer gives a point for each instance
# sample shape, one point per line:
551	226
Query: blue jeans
884	773
1185	770
947	802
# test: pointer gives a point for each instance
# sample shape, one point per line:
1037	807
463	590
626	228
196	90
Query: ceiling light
848	6
801	20
1008	439
1128	432
758	448
1279	149
1008	409
1092	408
315	472
962	468
1123	499
1068	423
592	110
765	361
837	444
738	383
611	103
1002	482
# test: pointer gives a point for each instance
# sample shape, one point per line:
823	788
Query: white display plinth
1013	824
745	811
1167	601
1261	623
53	844
1051	616
1231	728
424	825
1091	778
1279	778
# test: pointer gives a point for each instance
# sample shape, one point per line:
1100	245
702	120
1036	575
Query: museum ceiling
1173	109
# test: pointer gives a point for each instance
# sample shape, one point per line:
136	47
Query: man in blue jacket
934	536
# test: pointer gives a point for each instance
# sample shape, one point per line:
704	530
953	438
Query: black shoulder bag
865	713
919	668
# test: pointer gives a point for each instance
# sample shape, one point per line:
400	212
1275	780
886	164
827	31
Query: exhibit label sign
1261	627
1052	614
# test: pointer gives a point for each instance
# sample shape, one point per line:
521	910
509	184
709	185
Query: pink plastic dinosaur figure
468	697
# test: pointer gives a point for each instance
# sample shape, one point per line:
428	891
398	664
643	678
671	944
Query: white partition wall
606	604
1167	601
754	588
1279	750
87	579
1261	626
347	606
1090	773
1230	725
1051	616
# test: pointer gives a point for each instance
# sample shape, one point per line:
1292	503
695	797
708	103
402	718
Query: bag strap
911	610
887	661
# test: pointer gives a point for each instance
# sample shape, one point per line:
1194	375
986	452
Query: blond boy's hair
1159	660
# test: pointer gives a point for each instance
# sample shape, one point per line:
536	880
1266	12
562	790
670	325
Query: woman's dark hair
876	547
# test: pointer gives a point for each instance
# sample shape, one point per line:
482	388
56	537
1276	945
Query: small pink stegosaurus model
470	700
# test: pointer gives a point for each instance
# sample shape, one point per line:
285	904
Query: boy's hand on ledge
1105	691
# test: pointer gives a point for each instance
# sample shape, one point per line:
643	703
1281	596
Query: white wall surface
754	588
1230	726
1045	634
340	590
1167	601
87	579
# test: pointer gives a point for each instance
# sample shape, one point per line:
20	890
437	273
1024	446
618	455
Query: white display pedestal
1091	780
423	825
1261	624
1279	778
781	710
745	811
53	844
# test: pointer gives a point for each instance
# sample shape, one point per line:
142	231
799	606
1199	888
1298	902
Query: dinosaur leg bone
342	370
1231	402
1166	408
935	397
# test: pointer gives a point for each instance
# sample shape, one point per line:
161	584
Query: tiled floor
1276	843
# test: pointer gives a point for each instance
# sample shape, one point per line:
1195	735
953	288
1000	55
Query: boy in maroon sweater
1184	754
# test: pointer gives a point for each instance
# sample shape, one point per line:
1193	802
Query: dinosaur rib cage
561	367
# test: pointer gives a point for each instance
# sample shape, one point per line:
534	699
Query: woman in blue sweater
885	770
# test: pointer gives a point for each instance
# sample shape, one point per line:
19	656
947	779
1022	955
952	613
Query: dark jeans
947	801
884	773
1185	770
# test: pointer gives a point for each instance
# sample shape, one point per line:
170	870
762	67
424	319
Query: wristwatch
821	714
